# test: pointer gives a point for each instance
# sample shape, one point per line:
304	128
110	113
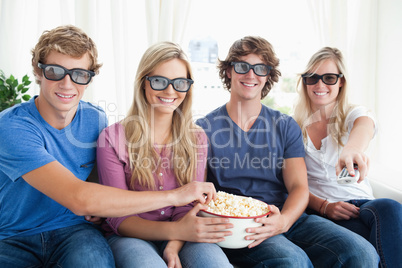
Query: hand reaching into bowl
202	192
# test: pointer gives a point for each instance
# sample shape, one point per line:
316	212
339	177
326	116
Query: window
215	25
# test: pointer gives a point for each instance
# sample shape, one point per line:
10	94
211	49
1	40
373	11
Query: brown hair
251	45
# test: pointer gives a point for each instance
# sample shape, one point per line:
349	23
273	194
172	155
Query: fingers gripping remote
345	178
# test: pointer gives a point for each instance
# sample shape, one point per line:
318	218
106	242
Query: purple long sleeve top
114	170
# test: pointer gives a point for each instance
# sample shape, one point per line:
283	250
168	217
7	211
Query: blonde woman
336	135
157	147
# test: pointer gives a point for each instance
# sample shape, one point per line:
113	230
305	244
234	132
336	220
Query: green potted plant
11	91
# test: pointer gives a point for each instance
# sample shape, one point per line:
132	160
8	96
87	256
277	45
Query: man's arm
295	179
86	198
278	222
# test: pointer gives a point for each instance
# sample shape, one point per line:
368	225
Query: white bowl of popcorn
241	212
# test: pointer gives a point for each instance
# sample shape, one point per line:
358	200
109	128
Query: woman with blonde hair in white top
336	135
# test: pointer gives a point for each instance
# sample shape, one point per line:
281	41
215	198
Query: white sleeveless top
321	166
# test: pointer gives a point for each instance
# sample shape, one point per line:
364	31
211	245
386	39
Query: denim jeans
311	242
133	252
75	246
380	222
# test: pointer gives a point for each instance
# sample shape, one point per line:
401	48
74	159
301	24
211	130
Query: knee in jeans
97	252
383	204
365	256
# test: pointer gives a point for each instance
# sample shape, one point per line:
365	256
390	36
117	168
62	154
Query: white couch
382	190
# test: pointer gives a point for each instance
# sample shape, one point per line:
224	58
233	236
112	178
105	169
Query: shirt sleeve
22	148
110	155
359	111
294	140
202	152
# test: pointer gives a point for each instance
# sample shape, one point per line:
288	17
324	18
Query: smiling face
247	86
58	100
321	94
166	101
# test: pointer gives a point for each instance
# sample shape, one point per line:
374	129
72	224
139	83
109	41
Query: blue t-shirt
250	163
28	142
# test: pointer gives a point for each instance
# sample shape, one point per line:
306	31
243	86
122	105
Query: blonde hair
303	111
68	40
137	123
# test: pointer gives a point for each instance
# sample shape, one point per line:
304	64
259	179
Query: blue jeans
311	242
380	222
75	246
133	252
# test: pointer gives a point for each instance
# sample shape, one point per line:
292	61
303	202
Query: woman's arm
353	151
317	204
171	254
334	211
189	228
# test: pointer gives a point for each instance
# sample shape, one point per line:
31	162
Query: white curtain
350	26
167	20
118	30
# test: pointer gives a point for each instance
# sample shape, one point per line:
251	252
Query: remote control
345	178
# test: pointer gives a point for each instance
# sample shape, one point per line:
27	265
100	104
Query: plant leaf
26	97
11	90
15	83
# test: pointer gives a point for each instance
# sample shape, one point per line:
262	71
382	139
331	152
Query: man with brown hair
258	152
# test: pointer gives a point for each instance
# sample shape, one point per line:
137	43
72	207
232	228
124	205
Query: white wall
386	158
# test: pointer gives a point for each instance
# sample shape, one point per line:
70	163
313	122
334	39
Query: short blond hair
68	40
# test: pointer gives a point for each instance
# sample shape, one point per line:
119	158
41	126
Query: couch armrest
382	190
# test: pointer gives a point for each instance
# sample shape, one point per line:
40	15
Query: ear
38	77
341	82
228	72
